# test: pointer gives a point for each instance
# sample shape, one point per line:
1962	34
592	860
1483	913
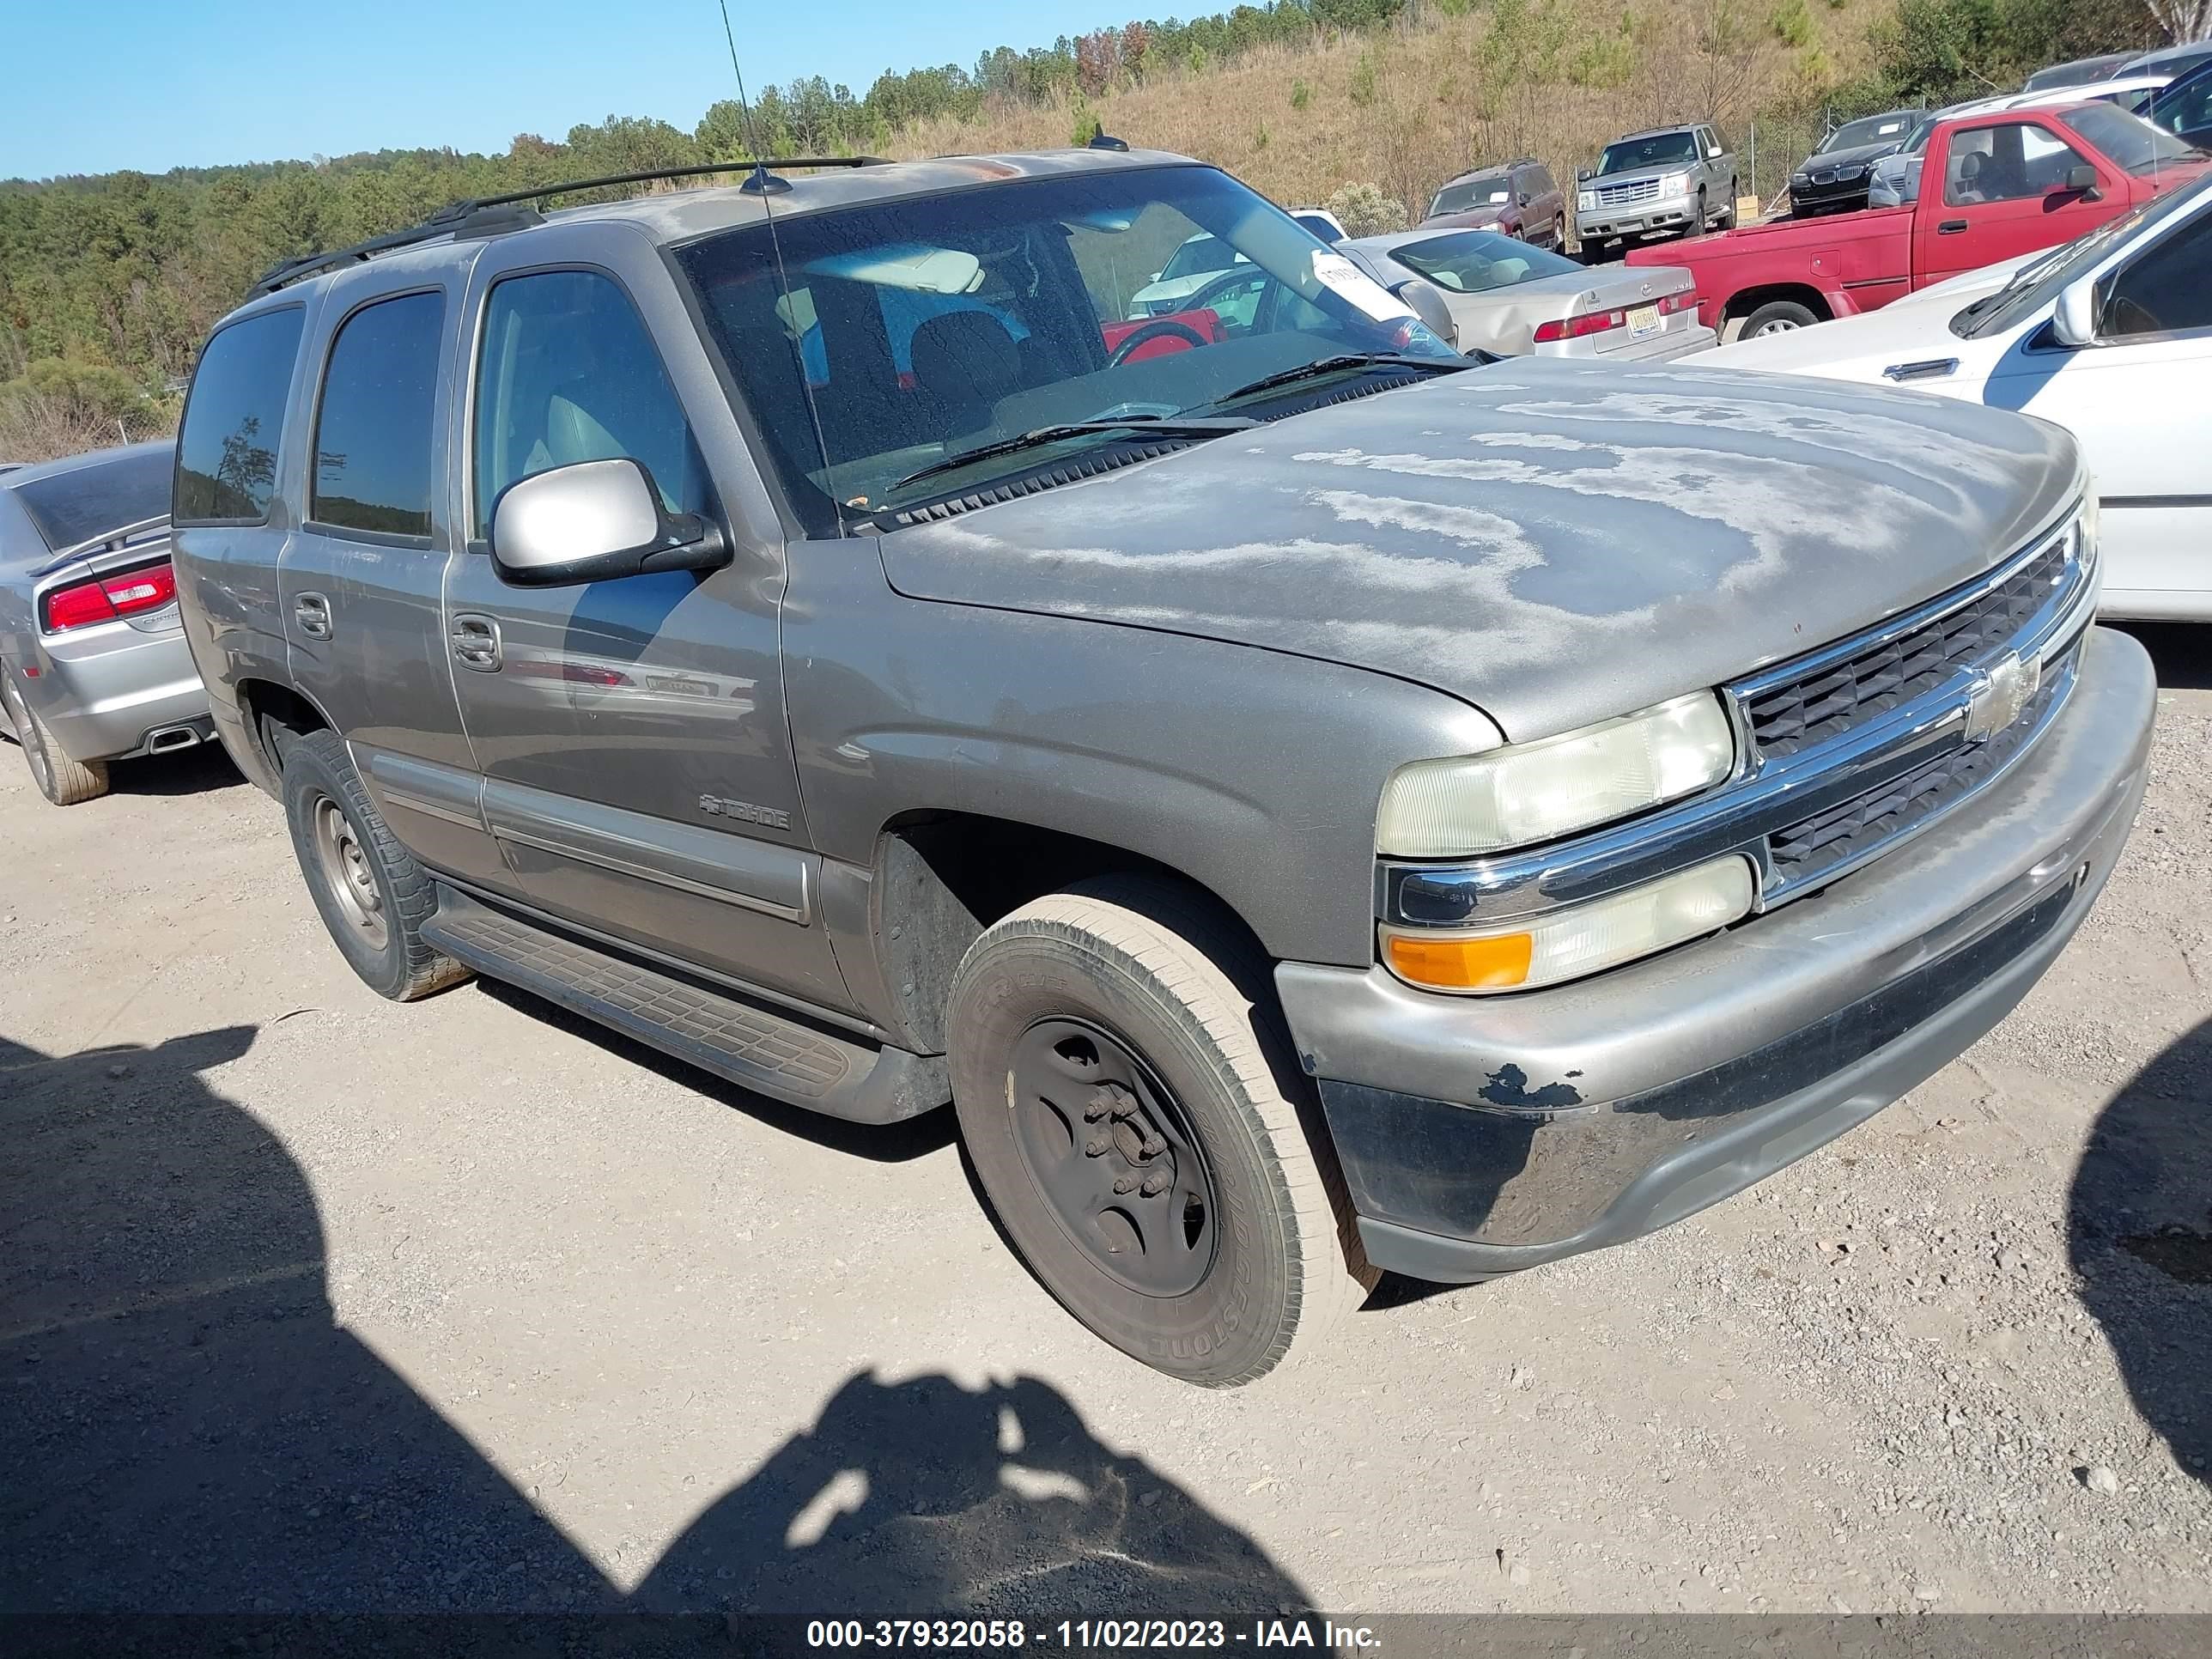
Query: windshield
920	329
2130	140
86	502
1477	261
2036	282
1470	193
1665	149
1874	130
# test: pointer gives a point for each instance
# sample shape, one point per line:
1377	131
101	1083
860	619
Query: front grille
1831	700
1645	190
1808	850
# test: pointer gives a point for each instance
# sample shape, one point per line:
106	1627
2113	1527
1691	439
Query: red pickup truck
1993	185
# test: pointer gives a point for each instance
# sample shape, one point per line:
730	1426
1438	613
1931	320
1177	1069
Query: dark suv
1520	199
1312	801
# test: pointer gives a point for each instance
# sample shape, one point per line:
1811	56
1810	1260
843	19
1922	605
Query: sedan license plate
1644	321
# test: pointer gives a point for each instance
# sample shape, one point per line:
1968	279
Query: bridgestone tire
1164	972
63	781
401	966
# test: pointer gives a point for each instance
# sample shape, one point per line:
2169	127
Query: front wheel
1778	317
1129	1100
1559	234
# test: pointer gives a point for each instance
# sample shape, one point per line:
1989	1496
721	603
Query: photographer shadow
184	1425
185	1428
998	1501
2140	1235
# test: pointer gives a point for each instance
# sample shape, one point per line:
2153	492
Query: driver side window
2009	162
2164	292
565	371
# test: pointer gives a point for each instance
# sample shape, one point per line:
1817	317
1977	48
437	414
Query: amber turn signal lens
1496	963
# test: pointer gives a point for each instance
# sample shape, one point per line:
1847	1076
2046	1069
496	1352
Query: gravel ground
310	1301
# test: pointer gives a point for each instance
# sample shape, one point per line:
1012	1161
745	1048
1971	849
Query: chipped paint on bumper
1699	1073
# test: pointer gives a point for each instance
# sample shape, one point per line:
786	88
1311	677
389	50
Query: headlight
1799	181
1586	200
1532	792
1576	939
1675	184
2086	530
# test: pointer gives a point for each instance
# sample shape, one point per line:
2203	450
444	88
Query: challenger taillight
1598	322
104	598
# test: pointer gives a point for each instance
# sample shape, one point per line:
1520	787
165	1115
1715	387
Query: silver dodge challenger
93	666
1516	300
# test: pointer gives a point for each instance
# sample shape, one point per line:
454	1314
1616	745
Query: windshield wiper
1142	426
1331	365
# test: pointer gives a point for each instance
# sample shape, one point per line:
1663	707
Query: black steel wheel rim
1114	1155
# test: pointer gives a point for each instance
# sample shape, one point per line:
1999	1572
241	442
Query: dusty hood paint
1555	542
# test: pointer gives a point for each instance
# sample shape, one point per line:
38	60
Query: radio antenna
767	187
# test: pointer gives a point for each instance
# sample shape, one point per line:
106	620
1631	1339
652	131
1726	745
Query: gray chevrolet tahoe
1313	802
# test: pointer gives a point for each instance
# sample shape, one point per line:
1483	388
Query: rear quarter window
235	421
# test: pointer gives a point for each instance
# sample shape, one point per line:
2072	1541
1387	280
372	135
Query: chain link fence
1776	143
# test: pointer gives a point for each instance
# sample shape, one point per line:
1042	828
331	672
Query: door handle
313	613
1950	227
475	642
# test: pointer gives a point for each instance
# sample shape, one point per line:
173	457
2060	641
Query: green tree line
109	283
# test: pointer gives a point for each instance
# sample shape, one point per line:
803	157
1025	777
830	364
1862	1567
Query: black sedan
1834	178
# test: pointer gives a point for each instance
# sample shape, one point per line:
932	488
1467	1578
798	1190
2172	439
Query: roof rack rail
480	215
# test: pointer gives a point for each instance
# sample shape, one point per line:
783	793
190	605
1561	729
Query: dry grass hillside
1436	93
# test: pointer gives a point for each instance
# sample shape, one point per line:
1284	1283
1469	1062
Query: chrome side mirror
594	521
2073	319
1427	302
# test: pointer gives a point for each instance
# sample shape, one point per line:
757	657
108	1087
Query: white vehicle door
2139	399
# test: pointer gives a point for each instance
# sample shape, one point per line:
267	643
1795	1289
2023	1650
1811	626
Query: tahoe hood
1554	542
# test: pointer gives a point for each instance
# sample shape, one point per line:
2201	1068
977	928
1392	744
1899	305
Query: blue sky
154	84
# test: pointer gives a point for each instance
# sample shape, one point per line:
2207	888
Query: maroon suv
1518	197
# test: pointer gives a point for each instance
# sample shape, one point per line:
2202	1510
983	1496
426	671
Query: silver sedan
1517	301
93	665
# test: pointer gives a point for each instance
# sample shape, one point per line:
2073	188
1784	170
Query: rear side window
94	501
235	421
373	433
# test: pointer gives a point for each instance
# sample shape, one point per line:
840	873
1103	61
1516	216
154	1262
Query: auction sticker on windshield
1347	281
1644	322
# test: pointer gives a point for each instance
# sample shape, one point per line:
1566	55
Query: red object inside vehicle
1206	325
104	598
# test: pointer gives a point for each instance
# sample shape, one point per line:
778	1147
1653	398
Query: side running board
752	1046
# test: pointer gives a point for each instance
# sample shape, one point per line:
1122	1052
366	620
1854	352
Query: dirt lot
310	1300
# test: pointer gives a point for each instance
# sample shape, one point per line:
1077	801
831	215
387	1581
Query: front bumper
1479	1136
116	690
1846	198
1607	225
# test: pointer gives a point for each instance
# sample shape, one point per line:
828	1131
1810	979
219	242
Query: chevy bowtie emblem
2000	694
